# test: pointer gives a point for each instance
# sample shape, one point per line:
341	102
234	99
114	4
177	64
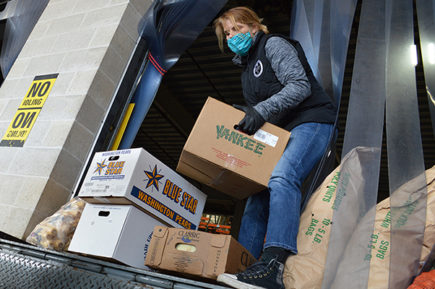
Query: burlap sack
55	232
305	270
380	242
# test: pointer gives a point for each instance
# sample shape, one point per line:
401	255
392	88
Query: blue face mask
240	43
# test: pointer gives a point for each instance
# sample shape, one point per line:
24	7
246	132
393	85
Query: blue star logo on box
186	239
100	167
153	178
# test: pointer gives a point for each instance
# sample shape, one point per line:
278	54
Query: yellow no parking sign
28	111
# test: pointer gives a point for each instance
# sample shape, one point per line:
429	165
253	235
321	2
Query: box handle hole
103	213
185	247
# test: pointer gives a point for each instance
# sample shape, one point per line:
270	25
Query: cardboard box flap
241	260
197	174
157	246
219	241
209	173
195	162
221	178
160	232
229	182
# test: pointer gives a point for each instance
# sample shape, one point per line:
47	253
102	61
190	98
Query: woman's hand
252	120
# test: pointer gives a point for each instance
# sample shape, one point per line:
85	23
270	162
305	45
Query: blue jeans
275	212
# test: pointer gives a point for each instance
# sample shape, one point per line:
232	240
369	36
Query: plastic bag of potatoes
55	232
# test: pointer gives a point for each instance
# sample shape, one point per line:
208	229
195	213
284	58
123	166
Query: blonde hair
242	15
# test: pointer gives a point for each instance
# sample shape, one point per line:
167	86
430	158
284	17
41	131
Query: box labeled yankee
135	177
196	253
229	160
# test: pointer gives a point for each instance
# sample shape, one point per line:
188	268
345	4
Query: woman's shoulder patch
258	68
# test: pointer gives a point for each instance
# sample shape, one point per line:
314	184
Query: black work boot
259	275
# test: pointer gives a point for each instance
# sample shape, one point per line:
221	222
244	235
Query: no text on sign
28	111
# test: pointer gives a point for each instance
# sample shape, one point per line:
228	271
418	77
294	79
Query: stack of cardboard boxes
129	192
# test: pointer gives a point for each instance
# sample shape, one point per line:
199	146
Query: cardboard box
134	176
226	159
196	253
119	232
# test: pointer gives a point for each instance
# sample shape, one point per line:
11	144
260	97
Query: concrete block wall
88	43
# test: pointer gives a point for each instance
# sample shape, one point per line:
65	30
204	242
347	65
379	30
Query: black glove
252	120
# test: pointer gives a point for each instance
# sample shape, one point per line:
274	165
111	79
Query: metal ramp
24	266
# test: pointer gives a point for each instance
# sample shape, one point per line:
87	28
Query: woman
278	87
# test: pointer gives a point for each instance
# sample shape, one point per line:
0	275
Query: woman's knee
283	184
278	181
